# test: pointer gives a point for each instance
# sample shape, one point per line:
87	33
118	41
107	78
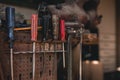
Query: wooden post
1	73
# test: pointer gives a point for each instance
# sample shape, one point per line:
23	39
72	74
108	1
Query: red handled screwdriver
62	35
34	25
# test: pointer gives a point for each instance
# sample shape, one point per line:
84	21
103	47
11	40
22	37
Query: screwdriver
62	35
34	25
10	19
55	21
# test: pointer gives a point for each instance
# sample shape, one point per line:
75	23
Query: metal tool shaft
11	62
69	58
80	64
63	55
34	60
80	59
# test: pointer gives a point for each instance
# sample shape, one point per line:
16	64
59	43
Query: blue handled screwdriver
10	19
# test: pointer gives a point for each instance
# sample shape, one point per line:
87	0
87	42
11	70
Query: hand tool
81	43
55	21
69	57
34	25
10	19
45	27
62	36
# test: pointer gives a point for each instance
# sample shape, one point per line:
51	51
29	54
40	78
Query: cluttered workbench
43	50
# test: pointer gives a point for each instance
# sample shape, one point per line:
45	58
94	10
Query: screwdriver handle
34	25
45	25
62	30
10	20
55	21
10	17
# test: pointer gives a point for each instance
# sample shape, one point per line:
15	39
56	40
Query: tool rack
46	57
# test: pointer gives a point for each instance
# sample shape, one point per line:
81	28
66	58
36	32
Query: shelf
42	42
51	41
29	52
22	52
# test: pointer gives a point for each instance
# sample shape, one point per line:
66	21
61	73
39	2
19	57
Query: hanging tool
55	21
81	31
45	20
69	57
34	25
45	27
10	18
70	33
62	35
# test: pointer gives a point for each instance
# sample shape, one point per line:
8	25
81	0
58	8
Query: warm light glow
95	62
118	69
87	61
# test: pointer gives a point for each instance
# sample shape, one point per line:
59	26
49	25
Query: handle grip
10	21
62	29
10	17
45	26
55	21
34	25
